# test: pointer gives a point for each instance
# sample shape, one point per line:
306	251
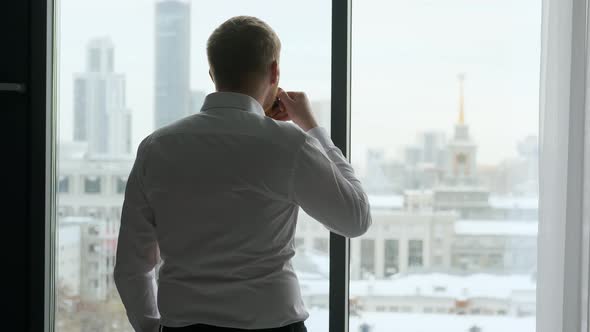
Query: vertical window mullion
340	131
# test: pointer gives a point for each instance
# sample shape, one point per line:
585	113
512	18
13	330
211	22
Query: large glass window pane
444	138
126	68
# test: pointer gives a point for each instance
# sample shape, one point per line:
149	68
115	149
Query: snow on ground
496	228
398	322
433	285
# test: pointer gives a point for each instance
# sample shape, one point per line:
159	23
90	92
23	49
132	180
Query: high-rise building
173	96
100	116
433	145
376	181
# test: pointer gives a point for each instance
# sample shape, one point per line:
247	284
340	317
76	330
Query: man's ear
275	72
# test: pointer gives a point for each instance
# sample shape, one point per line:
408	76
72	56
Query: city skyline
196	97
497	97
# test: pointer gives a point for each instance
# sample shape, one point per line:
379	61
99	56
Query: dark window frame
340	132
41	182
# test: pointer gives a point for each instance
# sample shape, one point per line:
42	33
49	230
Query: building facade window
93	248
121	183
367	257
299	242
63	185
391	257
92	185
415	253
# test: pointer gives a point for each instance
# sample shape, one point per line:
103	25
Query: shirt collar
217	100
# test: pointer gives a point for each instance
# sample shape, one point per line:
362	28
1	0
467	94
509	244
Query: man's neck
258	96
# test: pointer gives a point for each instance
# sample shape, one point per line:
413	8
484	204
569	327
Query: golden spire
461	78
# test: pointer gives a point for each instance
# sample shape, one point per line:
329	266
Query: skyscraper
173	97
100	116
433	146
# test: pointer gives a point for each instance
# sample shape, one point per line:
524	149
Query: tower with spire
461	168
459	189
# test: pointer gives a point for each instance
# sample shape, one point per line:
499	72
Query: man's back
218	193
218	185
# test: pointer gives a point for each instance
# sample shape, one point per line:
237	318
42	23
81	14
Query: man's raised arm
323	181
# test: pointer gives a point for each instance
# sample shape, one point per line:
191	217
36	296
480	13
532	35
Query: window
391	257
367	257
433	84
121	184
299	242
93	248
63	186
415	253
120	81
93	230
92	185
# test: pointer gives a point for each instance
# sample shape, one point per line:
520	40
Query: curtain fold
562	287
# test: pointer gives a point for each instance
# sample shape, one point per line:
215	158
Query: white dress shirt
216	196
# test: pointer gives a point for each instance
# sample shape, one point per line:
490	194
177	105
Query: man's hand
298	109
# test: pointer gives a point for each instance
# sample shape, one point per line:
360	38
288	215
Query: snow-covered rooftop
514	202
402	322
396	202
434	285
461	188
75	220
496	227
68	235
389	202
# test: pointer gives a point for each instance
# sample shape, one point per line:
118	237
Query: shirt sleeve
325	187
137	254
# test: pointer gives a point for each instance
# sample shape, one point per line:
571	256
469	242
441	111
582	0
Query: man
216	196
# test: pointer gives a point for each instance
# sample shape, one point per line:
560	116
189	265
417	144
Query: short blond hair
241	50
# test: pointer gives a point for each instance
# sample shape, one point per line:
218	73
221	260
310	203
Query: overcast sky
406	57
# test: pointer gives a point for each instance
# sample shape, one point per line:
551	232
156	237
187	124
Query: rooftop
386	202
496	228
490	286
400	322
514	202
